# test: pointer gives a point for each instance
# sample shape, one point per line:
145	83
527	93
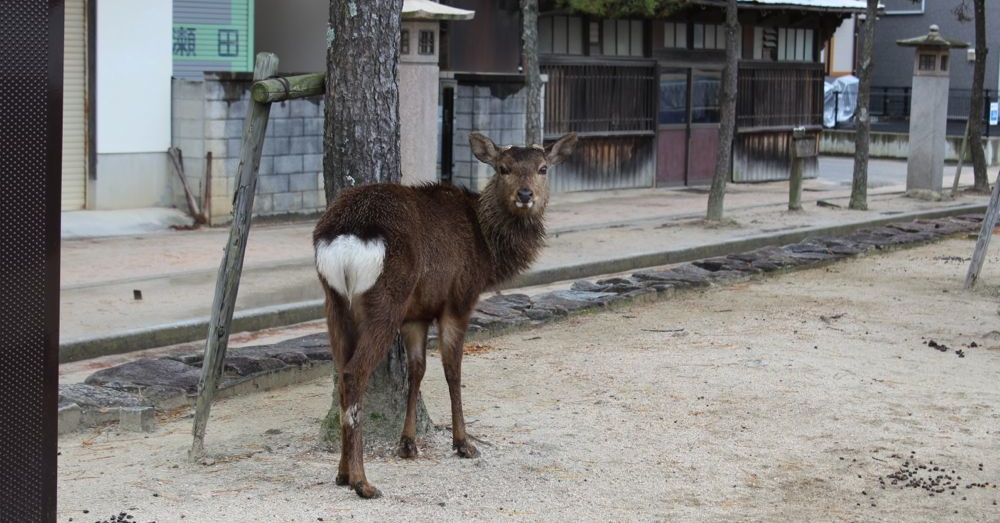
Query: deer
394	258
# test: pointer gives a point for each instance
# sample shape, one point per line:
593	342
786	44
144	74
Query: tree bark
532	74
727	107
977	106
862	132
361	146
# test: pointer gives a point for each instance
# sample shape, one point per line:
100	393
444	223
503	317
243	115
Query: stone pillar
928	112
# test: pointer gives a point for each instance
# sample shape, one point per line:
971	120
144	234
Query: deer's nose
524	195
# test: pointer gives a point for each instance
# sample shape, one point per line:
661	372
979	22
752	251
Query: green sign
214	35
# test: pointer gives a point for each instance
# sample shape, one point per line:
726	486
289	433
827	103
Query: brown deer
393	259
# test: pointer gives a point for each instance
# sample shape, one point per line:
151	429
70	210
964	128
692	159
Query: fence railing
890	106
775	95
600	98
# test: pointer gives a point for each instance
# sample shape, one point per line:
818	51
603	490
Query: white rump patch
349	264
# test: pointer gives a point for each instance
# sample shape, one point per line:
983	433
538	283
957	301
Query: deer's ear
483	148
561	150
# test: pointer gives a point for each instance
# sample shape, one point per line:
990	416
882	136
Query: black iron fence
890	109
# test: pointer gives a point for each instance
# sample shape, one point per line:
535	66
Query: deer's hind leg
415	340
341	332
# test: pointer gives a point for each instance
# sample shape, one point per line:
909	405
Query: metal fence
601	99
890	109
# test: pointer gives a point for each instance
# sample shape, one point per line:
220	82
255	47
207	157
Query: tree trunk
361	145
532	75
862	132
977	107
727	107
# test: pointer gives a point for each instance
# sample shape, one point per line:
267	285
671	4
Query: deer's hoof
466	449
367	490
407	448
343	479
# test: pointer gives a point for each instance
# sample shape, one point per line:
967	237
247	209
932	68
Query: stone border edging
133	388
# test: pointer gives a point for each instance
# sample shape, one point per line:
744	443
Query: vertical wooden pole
989	221
228	282
795	185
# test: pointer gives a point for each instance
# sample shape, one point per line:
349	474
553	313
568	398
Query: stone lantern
419	48
928	111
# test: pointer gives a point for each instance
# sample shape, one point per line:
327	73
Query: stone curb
170	382
288	314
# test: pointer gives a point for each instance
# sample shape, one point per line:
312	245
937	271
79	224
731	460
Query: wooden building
643	93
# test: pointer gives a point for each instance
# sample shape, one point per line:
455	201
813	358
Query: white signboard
994	113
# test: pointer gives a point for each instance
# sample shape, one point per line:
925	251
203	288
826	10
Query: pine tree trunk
361	145
977	106
862	132
532	74
727	107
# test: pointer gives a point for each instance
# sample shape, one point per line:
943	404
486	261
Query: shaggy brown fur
444	246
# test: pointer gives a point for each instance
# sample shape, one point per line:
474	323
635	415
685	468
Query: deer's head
521	179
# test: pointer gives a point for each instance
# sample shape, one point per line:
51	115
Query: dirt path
789	399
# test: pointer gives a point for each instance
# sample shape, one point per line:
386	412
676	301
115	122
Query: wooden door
703	141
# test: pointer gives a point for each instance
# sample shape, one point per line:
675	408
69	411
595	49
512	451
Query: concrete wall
894	64
132	96
495	109
896	146
209	116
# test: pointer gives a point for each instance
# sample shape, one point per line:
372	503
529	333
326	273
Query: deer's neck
513	241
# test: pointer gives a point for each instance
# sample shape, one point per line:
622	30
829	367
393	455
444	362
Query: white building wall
842	45
134	63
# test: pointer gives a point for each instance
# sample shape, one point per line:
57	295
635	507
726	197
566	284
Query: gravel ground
802	397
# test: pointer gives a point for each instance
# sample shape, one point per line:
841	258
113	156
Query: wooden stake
989	221
228	282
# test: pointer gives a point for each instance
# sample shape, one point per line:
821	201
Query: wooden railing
779	95
600	99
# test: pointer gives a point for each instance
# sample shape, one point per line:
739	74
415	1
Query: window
426	44
784	44
560	35
904	7
622	38
675	35
708	36
944	62
928	62
705	90
673	96
404	41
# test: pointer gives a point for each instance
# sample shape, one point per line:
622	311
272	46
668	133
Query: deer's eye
504	169
543	169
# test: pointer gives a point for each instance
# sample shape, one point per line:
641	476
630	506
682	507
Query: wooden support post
228	282
989	222
288	87
803	146
795	186
961	160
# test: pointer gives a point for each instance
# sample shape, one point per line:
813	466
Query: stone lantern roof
933	39
429	10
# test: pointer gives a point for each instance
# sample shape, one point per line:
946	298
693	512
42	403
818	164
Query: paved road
881	173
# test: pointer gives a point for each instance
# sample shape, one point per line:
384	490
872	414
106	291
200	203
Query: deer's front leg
452	341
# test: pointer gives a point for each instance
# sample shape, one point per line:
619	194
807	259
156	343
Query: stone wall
494	108
208	116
